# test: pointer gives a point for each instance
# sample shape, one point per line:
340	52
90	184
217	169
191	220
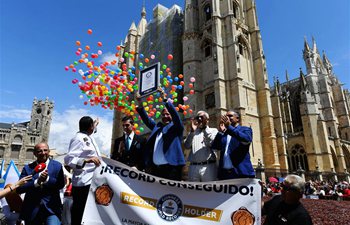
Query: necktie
128	143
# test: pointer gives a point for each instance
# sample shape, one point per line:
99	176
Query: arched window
235	9
347	156
207	12
242	47
30	154
297	155
334	157
36	124
207	48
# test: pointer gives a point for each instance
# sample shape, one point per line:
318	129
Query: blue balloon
179	87
141	56
176	79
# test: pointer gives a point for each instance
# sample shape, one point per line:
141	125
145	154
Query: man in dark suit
163	151
42	203
233	140
128	148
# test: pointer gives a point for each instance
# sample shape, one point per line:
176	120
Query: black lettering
233	189
171	183
117	170
142	176
124	174
207	187
198	187
162	182
150	179
218	188
243	190
190	186
102	170
132	174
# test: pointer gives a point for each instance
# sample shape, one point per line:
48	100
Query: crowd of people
215	154
315	189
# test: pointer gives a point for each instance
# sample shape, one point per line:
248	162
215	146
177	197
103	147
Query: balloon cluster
112	85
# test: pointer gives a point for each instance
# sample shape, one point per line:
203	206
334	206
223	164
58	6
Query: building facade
222	48
312	119
17	140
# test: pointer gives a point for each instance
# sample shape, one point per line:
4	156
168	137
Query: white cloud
65	125
109	57
15	115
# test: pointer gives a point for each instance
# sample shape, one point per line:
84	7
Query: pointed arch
334	157
207	11
346	156
206	46
236	9
243	46
296	155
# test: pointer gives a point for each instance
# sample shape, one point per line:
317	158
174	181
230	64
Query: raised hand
194	124
94	160
225	120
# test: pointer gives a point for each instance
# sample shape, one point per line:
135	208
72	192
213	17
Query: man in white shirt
83	157
202	157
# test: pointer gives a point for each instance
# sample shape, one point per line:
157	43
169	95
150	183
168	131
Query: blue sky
37	40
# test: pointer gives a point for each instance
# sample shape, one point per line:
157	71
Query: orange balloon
181	76
99	43
89	31
87	47
77	43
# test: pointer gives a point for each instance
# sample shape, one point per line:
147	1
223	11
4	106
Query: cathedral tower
41	118
222	49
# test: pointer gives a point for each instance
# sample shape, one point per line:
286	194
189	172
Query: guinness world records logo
169	207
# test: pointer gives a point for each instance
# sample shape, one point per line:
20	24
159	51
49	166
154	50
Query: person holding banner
83	157
202	157
42	202
163	151
287	208
128	148
233	141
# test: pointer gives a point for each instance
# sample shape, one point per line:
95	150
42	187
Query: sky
37	41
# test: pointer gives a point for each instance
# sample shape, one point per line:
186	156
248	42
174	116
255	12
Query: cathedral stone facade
302	125
17	140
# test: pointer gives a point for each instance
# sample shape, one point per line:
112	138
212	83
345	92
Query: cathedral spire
302	79
132	27
287	76
314	46
327	63
306	46
143	12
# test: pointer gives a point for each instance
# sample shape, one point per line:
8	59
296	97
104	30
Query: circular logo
103	195
169	207
148	75
242	217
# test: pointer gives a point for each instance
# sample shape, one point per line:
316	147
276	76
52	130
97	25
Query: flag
11	176
2	180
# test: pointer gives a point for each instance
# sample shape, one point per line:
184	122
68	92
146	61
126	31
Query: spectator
202	157
286	208
83	157
42	202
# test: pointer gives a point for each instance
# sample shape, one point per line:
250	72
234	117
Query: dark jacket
133	156
172	137
238	149
46	196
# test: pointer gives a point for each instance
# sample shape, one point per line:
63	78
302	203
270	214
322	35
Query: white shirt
131	137
200	143
158	154
82	147
47	179
227	159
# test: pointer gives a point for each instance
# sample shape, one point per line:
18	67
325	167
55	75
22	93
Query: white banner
122	195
